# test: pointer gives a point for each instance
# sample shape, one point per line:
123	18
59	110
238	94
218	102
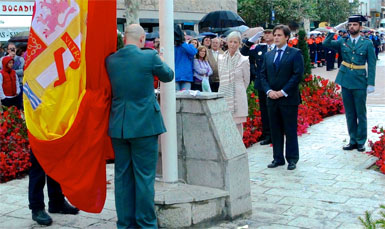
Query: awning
7	33
11	25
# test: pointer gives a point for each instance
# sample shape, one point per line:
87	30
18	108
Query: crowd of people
323	56
269	58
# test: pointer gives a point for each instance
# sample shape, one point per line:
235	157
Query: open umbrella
20	37
240	29
324	29
341	26
251	32
221	19
190	32
315	32
152	36
208	34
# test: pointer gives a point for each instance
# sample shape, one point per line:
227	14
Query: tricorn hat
357	18
268	28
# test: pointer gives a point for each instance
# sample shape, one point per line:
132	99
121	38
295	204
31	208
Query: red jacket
9	78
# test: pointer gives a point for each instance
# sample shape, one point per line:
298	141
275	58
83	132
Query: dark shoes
360	148
291	166
265	142
41	217
350	147
274	164
66	208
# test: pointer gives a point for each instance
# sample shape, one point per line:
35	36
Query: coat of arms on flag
67	94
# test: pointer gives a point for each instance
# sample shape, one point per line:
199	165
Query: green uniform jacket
361	53
135	112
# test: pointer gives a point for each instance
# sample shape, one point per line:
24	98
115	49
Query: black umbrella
221	19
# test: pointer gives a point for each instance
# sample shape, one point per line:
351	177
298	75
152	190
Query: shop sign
16	8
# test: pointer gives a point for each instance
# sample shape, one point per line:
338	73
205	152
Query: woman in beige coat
234	78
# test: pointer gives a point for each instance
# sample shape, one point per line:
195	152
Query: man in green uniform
135	124
355	81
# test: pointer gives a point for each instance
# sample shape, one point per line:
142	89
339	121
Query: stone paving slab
329	188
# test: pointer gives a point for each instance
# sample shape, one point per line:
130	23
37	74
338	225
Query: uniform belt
353	66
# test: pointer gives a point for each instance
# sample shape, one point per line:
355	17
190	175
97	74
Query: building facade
372	10
186	12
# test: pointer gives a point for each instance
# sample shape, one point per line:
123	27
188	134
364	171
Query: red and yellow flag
67	95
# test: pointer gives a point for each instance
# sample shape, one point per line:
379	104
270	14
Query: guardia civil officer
355	81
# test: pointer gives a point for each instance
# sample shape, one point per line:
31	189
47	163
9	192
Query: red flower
14	147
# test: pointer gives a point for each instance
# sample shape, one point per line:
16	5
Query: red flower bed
378	148
320	99
14	145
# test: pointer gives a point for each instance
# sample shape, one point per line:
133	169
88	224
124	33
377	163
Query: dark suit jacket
256	56
135	112
287	77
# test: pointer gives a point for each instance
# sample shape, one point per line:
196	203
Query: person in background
194	42
234	78
157	44
212	57
376	43
184	58
312	49
2	51
206	41
256	56
223	44
9	83
201	68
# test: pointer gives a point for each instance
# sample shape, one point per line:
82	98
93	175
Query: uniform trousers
355	111
135	169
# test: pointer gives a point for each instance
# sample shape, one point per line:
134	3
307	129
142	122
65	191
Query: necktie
354	42
268	48
278	59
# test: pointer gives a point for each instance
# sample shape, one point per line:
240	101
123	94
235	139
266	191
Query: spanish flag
67	95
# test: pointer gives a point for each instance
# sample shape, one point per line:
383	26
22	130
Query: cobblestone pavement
329	189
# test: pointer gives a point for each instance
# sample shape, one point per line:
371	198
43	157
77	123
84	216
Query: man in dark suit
256	55
135	124
282	70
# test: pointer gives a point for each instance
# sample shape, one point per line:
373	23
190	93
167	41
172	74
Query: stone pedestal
211	152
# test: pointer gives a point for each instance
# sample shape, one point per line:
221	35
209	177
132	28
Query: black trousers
214	86
37	178
8	102
330	59
264	115
283	122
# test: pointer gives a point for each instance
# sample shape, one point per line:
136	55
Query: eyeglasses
12	49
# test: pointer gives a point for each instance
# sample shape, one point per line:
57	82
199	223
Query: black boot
41	217
65	208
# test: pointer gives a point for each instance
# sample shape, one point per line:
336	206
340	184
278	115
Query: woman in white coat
234	78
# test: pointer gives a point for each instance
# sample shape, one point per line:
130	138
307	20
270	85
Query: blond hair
199	49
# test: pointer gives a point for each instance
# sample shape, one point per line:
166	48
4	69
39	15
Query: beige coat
214	65
241	75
